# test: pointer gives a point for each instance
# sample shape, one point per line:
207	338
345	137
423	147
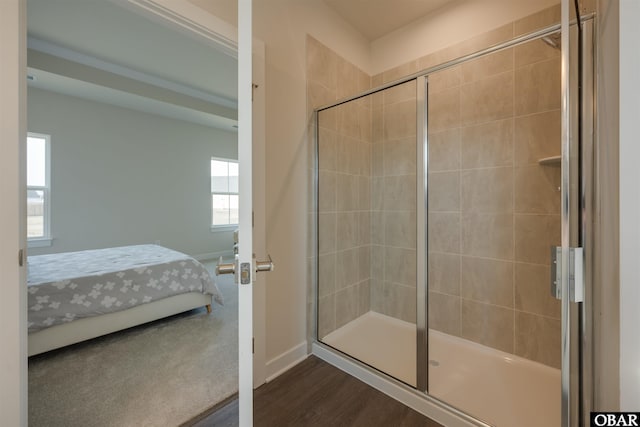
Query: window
224	192
38	189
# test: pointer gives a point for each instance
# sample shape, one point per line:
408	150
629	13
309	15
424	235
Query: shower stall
438	202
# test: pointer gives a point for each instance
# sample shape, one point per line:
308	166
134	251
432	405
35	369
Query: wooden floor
315	393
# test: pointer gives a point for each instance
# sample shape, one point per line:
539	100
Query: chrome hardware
245	273
228	268
243	270
576	273
235	241
264	265
556	256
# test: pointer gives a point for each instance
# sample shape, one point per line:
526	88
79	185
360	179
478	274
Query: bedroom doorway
134	346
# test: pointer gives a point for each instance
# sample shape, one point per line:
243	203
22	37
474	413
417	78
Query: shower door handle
576	273
554	279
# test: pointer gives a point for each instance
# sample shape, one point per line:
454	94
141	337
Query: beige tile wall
494	211
344	217
393	219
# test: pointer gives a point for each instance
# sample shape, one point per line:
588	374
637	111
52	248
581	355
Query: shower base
496	387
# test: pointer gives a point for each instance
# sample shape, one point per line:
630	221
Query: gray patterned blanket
73	285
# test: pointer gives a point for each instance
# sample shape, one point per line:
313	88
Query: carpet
159	374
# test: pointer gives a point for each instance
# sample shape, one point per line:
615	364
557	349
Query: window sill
39	243
223	228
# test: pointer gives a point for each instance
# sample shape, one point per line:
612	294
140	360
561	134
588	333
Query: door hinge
253	345
253	89
576	273
21	257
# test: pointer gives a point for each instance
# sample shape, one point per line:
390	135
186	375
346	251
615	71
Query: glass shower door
439	201
367	259
493	213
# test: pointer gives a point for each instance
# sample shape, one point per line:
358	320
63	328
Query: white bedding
73	285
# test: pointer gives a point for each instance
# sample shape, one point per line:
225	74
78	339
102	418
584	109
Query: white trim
287	360
396	390
629	206
223	228
225	159
213	255
39	242
245	234
224	38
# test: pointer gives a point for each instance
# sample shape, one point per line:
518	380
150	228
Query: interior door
245	269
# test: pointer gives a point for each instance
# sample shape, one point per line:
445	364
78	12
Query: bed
76	296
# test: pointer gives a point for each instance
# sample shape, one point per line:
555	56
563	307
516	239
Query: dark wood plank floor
315	393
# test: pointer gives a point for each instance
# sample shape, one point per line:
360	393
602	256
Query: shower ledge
550	161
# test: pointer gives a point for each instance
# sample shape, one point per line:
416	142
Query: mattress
73	285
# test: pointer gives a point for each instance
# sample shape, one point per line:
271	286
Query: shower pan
439	197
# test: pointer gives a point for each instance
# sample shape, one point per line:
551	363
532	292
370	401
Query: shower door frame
422	234
577	384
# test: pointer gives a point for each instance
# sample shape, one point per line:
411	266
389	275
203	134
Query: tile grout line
513	222
460	144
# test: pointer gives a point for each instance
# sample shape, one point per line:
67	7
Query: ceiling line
225	43
91	61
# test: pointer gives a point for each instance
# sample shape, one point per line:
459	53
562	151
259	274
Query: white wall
629	206
122	177
451	24
283	25
606	316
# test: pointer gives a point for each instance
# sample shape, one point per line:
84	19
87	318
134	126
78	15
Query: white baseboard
287	360
214	255
426	405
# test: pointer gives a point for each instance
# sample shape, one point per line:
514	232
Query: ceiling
376	18
107	36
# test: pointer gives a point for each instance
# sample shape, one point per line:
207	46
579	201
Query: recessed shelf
550	161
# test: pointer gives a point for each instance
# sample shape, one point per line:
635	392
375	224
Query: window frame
220	227
46	239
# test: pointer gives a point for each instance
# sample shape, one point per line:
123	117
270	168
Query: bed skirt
91	327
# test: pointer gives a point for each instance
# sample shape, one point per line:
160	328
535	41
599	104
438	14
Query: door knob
245	268
262	266
225	268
